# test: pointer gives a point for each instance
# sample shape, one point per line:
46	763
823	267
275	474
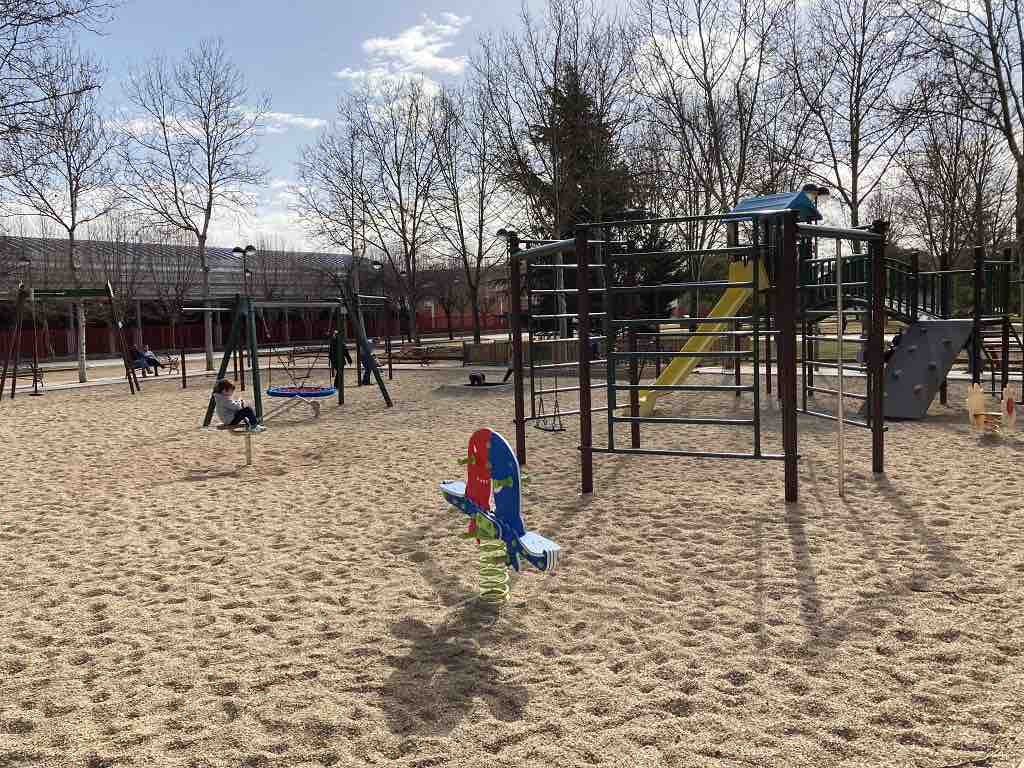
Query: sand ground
164	605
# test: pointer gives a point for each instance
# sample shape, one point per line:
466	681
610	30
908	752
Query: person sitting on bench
151	358
233	412
139	360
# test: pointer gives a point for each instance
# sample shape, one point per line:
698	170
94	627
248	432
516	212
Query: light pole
245	254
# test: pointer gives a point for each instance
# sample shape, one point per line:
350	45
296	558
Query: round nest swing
301	391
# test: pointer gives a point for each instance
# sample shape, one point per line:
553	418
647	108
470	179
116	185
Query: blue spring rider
504	540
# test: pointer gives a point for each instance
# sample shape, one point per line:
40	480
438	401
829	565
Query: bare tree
66	163
570	44
957	186
174	273
191	147
470	195
32	32
713	84
379	163
850	61
444	282
113	255
330	194
976	49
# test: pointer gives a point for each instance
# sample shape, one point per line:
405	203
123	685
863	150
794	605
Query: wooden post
237	321
138	322
634	394
184	375
979	278
786	277
876	347
1005	354
339	354
342	345
915	284
583	324
254	359
515	290
737	372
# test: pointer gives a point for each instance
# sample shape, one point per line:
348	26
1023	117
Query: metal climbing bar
817	230
827	391
695	420
562	341
690	454
685	387
675	287
635	255
681	320
570	364
564	315
652	355
562	291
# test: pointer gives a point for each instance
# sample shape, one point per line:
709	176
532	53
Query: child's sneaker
258	428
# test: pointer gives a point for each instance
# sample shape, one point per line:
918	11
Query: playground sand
163	605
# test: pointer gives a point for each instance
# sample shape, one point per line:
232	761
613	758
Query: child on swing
233	412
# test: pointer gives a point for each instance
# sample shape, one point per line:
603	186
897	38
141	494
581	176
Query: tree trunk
69	333
1019	218
80	308
138	324
474	300
174	333
448	318
47	340
414	332
207	316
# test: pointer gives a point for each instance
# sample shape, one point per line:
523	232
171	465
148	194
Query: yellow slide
728	305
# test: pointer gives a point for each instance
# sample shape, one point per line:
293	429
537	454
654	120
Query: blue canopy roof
781	201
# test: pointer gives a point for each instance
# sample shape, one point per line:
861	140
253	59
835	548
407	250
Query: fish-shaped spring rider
493	472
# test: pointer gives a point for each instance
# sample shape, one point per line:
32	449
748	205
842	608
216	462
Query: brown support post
876	348
241	367
184	375
515	313
786	285
737	371
634	394
979	278
118	328
583	324
1005	354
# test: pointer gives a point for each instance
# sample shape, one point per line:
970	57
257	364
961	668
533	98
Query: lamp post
245	254
26	262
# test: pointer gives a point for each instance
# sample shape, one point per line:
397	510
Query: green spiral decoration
493	560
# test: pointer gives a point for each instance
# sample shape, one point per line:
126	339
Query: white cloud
414	52
279	122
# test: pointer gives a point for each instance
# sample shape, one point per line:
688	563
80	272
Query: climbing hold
918	389
897	373
932	365
912	349
947	342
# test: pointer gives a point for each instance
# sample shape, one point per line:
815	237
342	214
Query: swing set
26	300
243	337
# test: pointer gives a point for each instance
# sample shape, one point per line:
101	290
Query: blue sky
303	54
